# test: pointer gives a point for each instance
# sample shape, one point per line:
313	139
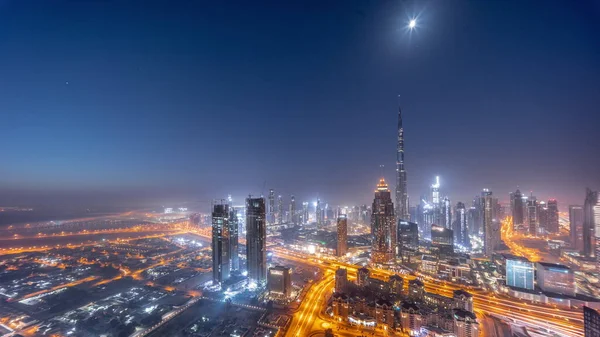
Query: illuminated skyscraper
293	215
342	235
271	208
518	208
446	213
234	241
435	201
279	209
256	240
318	213
221	240
461	227
552	226
576	226
401	192
491	232
591	223
532	215
305	212
383	225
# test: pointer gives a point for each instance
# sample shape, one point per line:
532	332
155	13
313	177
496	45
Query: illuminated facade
342	235
446	213
442	240
234	238
383	224
221	242
555	278
465	324
256	240
435	202
491	230
401	192
279	209
532	215
279	281
591	222
461	226
305	212
519	273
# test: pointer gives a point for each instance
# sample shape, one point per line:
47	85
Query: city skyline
105	142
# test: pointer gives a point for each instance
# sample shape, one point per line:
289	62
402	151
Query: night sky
139	101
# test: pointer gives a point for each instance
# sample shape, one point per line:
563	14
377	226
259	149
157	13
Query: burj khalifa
401	193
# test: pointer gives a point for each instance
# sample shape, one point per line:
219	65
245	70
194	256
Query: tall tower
342	235
383	224
576	226
271	209
221	239
591	220
279	209
435	202
234	238
256	240
305	213
293	218
318	213
552	226
490	231
401	193
446	213
518	209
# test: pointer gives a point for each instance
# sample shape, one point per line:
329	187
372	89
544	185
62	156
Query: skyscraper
401	192
383	225
256	240
576	226
318	213
293	215
234	238
446	213
518	207
221	239
342	235
279	209
591	222
435	201
461	227
552	226
490	230
305	212
271	208
532	215
591	322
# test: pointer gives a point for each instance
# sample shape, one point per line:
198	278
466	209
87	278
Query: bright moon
412	23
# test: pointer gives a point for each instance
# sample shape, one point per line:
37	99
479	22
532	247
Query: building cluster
534	216
391	305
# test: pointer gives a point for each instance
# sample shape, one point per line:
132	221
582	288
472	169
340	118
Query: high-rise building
552	226
461	226
518	208
234	238
221	239
519	273
591	223
436	202
341	280
279	209
319	213
591	322
446	213
362	280
305	212
342	235
383	225
408	235
271	208
279	281
532	215
293	215
462	300
442	239
491	232
465	324
576	226
401	191
256	240
542	214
